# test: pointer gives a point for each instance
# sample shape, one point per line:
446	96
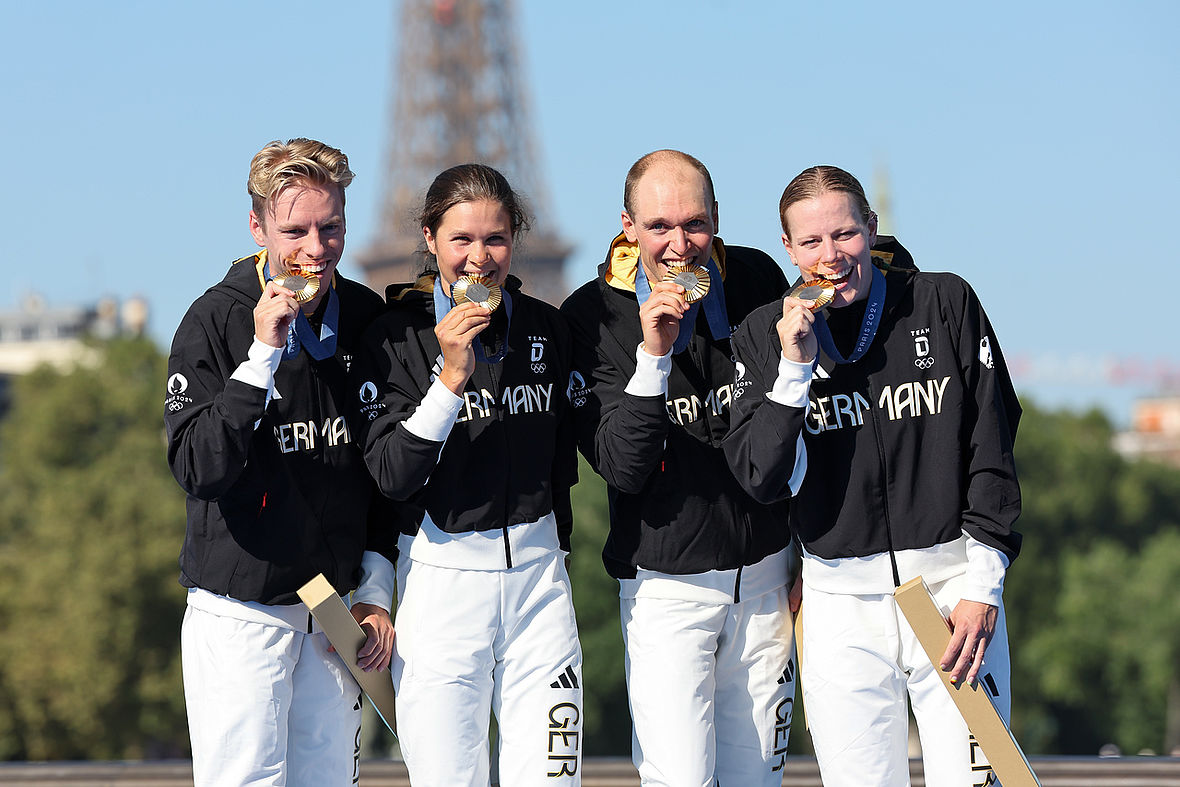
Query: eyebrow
661	220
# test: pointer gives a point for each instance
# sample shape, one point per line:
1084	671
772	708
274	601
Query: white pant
859	659
267	705
473	642
711	688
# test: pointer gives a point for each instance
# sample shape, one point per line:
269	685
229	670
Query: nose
679	242
313	244
478	253
828	251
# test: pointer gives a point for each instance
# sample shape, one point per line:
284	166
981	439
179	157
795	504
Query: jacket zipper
500	420
885	487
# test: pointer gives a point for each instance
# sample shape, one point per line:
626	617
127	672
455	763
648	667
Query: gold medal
819	290
693	278
480	290
304	287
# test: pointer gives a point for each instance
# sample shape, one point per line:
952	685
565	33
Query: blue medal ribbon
874	309
302	334
443	303
714	304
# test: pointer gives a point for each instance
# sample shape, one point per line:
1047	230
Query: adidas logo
789	674
566	680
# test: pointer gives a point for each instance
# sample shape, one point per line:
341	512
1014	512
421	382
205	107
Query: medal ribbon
301	332
714	304
443	303
868	326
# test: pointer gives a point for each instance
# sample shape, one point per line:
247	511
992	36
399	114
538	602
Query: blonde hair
815	181
280	165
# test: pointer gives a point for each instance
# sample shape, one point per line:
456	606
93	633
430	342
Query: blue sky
1030	147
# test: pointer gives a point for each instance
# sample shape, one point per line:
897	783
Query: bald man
703	568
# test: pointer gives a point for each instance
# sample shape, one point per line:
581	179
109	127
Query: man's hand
795	594
795	331
659	317
378	649
455	333
972	625
274	314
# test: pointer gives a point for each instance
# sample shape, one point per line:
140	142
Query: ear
257	230
629	228
430	242
872	230
789	248
716	223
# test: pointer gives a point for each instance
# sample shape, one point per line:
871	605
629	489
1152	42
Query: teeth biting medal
480	290
819	290
692	277
304	286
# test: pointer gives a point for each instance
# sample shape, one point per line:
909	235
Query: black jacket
675	507
510	456
268	507
908	447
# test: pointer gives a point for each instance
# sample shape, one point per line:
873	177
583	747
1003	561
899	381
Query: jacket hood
890	255
622	260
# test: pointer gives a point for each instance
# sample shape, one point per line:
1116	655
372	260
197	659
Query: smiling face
473	239
673	220
303	231
827	239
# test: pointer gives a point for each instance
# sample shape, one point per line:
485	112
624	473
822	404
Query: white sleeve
258	370
378	581
435	415
792	383
651	373
985	573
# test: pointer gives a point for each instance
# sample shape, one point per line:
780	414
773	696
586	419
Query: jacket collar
622	260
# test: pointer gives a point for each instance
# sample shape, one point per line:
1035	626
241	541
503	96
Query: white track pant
473	642
267	705
859	660
711	688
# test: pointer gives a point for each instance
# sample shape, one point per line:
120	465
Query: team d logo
536	353
923	359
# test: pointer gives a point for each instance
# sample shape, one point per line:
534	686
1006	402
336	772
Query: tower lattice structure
460	98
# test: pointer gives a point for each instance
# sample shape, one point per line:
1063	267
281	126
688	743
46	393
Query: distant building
37	333
1154	432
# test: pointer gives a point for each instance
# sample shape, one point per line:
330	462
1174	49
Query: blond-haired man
277	490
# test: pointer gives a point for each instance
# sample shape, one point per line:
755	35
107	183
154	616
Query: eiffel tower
459	99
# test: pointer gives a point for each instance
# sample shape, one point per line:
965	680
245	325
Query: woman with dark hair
463	414
908	417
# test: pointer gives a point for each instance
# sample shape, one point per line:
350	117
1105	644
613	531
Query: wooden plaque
984	722
347	636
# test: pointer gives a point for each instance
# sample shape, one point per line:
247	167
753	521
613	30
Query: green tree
1092	618
607	726
90	526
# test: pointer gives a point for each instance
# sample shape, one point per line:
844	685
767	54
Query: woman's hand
455	333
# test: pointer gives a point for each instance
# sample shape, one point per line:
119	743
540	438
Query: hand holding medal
795	328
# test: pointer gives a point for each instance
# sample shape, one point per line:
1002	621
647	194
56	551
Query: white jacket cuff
792	384
436	414
378	581
260	365
985	573
651	374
